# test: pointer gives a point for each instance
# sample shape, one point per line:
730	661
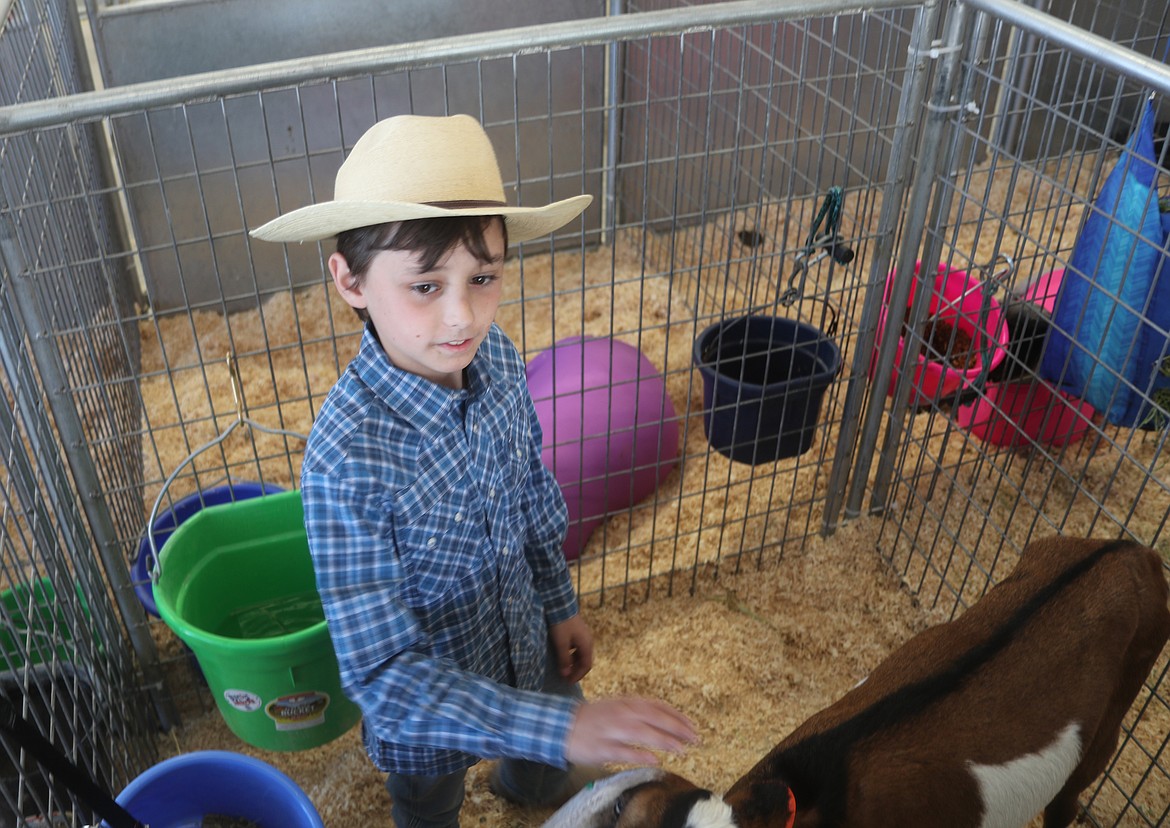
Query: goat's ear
769	802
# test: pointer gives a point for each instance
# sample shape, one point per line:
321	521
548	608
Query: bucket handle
241	419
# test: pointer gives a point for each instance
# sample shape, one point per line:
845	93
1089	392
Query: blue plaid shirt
436	533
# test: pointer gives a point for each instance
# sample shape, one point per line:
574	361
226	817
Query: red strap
791	809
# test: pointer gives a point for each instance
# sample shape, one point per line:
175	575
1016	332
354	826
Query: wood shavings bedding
754	650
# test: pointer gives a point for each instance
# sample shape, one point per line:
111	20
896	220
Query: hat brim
322	221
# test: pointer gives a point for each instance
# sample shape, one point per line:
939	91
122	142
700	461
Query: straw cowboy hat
414	166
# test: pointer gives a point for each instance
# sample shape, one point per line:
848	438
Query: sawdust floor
748	657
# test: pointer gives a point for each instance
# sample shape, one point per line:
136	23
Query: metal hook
803	261
995	280
1000	276
234	377
788	298
820	244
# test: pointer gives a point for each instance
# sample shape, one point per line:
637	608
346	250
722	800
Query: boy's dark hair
430	238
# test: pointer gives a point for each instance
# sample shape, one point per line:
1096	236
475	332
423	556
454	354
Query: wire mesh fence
1034	446
746	162
68	665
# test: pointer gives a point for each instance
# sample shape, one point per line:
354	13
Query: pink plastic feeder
1044	290
1017	414
610	432
955	302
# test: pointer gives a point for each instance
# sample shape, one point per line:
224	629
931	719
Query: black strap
56	763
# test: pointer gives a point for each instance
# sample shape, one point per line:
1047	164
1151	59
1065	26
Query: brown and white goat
1011	709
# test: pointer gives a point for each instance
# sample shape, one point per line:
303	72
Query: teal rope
830	214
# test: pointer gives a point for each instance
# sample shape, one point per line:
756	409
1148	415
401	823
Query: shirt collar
422	403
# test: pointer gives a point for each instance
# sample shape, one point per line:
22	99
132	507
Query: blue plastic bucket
764	378
181	791
169	520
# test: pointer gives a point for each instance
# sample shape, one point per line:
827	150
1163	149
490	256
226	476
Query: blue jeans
434	801
425	801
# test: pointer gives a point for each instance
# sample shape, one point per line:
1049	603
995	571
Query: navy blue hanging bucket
764	378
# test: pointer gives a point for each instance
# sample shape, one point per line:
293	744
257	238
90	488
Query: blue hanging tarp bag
1108	342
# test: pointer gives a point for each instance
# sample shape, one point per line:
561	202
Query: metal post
610	153
938	120
899	172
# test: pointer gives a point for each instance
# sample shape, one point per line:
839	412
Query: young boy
434	527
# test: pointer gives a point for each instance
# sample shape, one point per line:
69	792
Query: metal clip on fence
821	243
241	420
988	285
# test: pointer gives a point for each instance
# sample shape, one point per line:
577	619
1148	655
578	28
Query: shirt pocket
440	541
515	454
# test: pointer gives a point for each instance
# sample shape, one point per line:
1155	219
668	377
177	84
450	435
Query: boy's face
432	323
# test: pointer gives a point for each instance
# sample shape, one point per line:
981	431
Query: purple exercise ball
610	431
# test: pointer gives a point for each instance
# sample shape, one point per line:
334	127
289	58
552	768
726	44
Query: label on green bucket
298	711
243	700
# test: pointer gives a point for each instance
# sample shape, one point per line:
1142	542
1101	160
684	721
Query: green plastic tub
236	585
33	622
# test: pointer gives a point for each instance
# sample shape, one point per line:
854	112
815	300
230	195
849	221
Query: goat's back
1045	665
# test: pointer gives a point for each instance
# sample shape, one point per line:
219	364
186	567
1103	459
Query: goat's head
643	798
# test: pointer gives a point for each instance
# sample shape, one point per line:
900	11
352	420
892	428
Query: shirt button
458	517
431	543
491	493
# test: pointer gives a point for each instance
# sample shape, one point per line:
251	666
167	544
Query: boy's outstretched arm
625	730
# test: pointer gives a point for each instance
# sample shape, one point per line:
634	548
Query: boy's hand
625	730
572	641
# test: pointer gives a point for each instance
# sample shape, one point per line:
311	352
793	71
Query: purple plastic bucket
168	520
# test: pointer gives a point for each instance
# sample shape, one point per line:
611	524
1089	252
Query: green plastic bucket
236	584
34	626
